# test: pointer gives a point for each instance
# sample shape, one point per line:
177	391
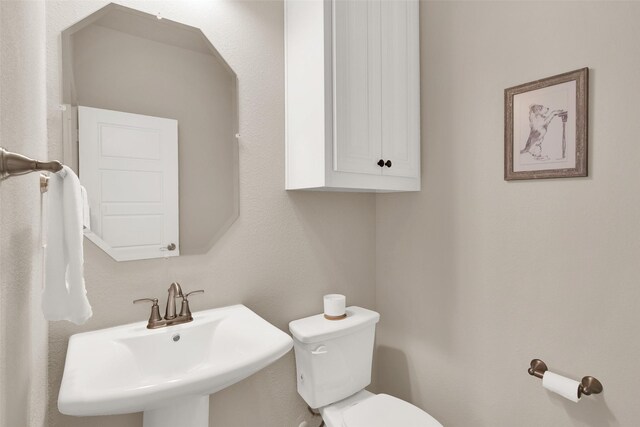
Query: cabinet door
356	86
400	87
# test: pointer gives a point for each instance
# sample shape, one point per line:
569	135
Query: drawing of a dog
539	119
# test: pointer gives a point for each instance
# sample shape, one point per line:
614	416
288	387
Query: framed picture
545	129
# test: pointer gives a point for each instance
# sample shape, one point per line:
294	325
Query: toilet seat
382	410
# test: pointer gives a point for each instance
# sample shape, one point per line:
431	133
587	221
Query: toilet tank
333	357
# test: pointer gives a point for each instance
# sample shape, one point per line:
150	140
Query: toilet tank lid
317	328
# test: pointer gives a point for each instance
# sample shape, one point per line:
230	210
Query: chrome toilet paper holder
588	386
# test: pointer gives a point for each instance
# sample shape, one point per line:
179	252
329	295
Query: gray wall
283	253
23	331
476	276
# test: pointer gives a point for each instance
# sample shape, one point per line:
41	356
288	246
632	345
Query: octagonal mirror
151	130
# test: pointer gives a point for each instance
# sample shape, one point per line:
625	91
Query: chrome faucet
170	317
175	291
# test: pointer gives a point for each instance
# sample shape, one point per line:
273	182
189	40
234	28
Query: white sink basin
168	373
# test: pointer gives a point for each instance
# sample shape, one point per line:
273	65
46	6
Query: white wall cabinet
352	95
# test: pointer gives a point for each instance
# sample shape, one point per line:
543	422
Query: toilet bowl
365	409
333	367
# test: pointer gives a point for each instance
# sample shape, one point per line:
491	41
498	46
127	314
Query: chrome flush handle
322	349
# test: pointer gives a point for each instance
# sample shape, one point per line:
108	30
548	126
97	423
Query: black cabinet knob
388	163
381	163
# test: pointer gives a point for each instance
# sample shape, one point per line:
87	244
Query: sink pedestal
192	411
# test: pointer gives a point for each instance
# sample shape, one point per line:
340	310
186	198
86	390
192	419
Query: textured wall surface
283	253
476	276
23	331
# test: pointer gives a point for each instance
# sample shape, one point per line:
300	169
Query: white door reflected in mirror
128	164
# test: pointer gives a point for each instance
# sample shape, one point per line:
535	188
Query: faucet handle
199	291
155	310
152	300
184	309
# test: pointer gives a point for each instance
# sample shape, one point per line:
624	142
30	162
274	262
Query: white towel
64	296
86	212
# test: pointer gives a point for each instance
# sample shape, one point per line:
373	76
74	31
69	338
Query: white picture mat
556	97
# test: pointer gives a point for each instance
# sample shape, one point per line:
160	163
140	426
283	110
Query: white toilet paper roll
335	306
565	387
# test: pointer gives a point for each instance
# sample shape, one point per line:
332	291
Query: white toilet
333	363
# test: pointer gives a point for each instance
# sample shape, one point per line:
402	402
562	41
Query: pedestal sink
167	373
